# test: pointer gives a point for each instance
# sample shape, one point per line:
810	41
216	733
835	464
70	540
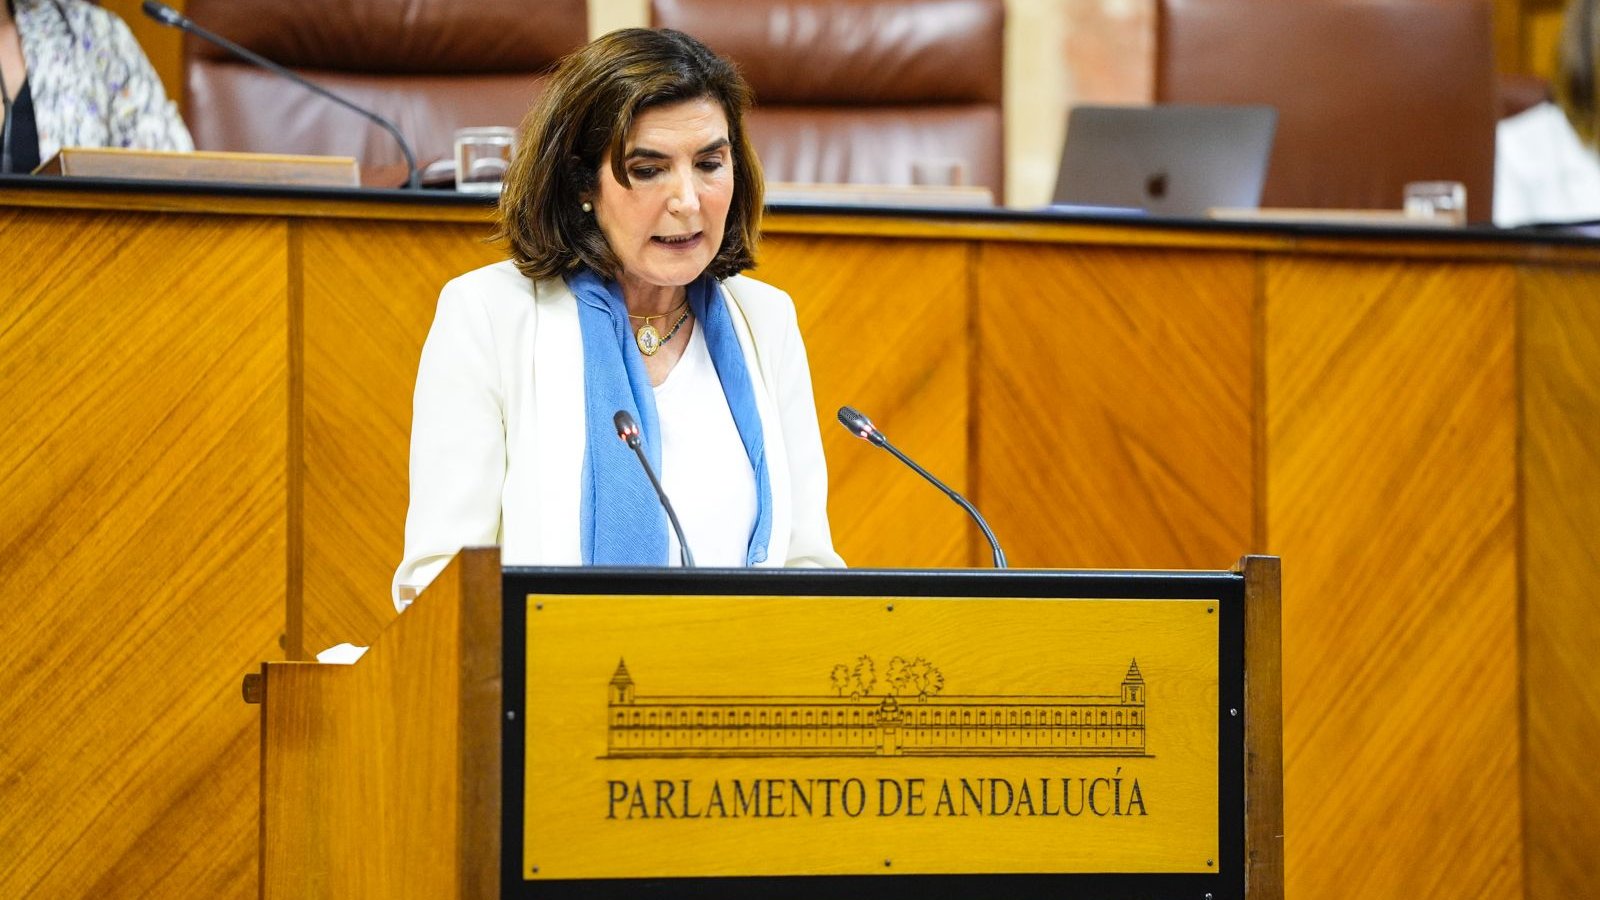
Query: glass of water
1444	202
482	156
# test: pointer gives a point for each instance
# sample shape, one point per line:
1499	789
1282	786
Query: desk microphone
628	430
5	130
862	427
166	15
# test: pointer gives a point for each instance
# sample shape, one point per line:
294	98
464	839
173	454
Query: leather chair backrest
1370	94
1520	92
855	91
430	66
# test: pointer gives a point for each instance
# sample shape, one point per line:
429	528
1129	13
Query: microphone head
162	13
859	425
627	428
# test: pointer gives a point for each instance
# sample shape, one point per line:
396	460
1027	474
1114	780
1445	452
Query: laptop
1169	160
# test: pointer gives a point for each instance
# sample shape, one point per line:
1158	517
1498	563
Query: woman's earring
586	206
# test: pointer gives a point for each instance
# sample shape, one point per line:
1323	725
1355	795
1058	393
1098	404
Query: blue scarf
620	520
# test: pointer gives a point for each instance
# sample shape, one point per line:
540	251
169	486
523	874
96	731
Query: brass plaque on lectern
728	736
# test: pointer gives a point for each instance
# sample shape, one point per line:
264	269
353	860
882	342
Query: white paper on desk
341	654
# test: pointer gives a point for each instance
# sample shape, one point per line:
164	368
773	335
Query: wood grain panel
1391	483
423	207
429	208
144	469
142	466
382	779
1560	324
887	330
368	290
1263	726
1114	405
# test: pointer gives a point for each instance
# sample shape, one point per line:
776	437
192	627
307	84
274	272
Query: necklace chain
661	315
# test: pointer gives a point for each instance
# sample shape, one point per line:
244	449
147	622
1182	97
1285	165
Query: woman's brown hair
587	111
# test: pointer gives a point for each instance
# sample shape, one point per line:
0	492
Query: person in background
72	75
1546	168
1580	69
633	203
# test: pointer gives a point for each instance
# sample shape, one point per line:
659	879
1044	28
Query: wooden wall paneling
1560	324
1115	390
1391	461
383	779
1506	16
887	330
369	292
142	466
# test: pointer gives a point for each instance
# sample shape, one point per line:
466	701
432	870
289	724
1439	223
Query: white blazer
498	426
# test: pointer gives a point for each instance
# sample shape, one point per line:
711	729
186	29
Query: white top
498	426
1542	171
704	468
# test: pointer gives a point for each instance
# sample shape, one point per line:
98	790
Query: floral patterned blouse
91	83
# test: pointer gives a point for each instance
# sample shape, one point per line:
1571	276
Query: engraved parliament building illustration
910	718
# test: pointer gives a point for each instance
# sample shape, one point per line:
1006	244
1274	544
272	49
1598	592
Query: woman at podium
632	206
72	75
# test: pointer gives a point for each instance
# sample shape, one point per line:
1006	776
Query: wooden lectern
712	733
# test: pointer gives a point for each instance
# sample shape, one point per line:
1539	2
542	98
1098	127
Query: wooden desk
206	449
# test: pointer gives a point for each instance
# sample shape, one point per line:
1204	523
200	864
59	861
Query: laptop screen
1171	160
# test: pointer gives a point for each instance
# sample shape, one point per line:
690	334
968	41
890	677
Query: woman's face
667	227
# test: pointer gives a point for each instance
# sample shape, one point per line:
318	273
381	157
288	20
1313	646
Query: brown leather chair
1520	92
430	66
1370	94
855	91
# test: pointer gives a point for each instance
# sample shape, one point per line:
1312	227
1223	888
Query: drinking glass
1444	201
482	157
939	172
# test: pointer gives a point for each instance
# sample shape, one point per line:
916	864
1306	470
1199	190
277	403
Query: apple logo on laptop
1156	185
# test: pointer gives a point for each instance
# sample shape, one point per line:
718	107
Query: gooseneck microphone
628	430
862	427
5	130
166	15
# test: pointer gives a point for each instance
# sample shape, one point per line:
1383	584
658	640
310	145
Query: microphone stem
684	554
994	544
5	130
413	180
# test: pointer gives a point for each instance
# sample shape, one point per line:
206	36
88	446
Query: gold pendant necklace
648	338
650	341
